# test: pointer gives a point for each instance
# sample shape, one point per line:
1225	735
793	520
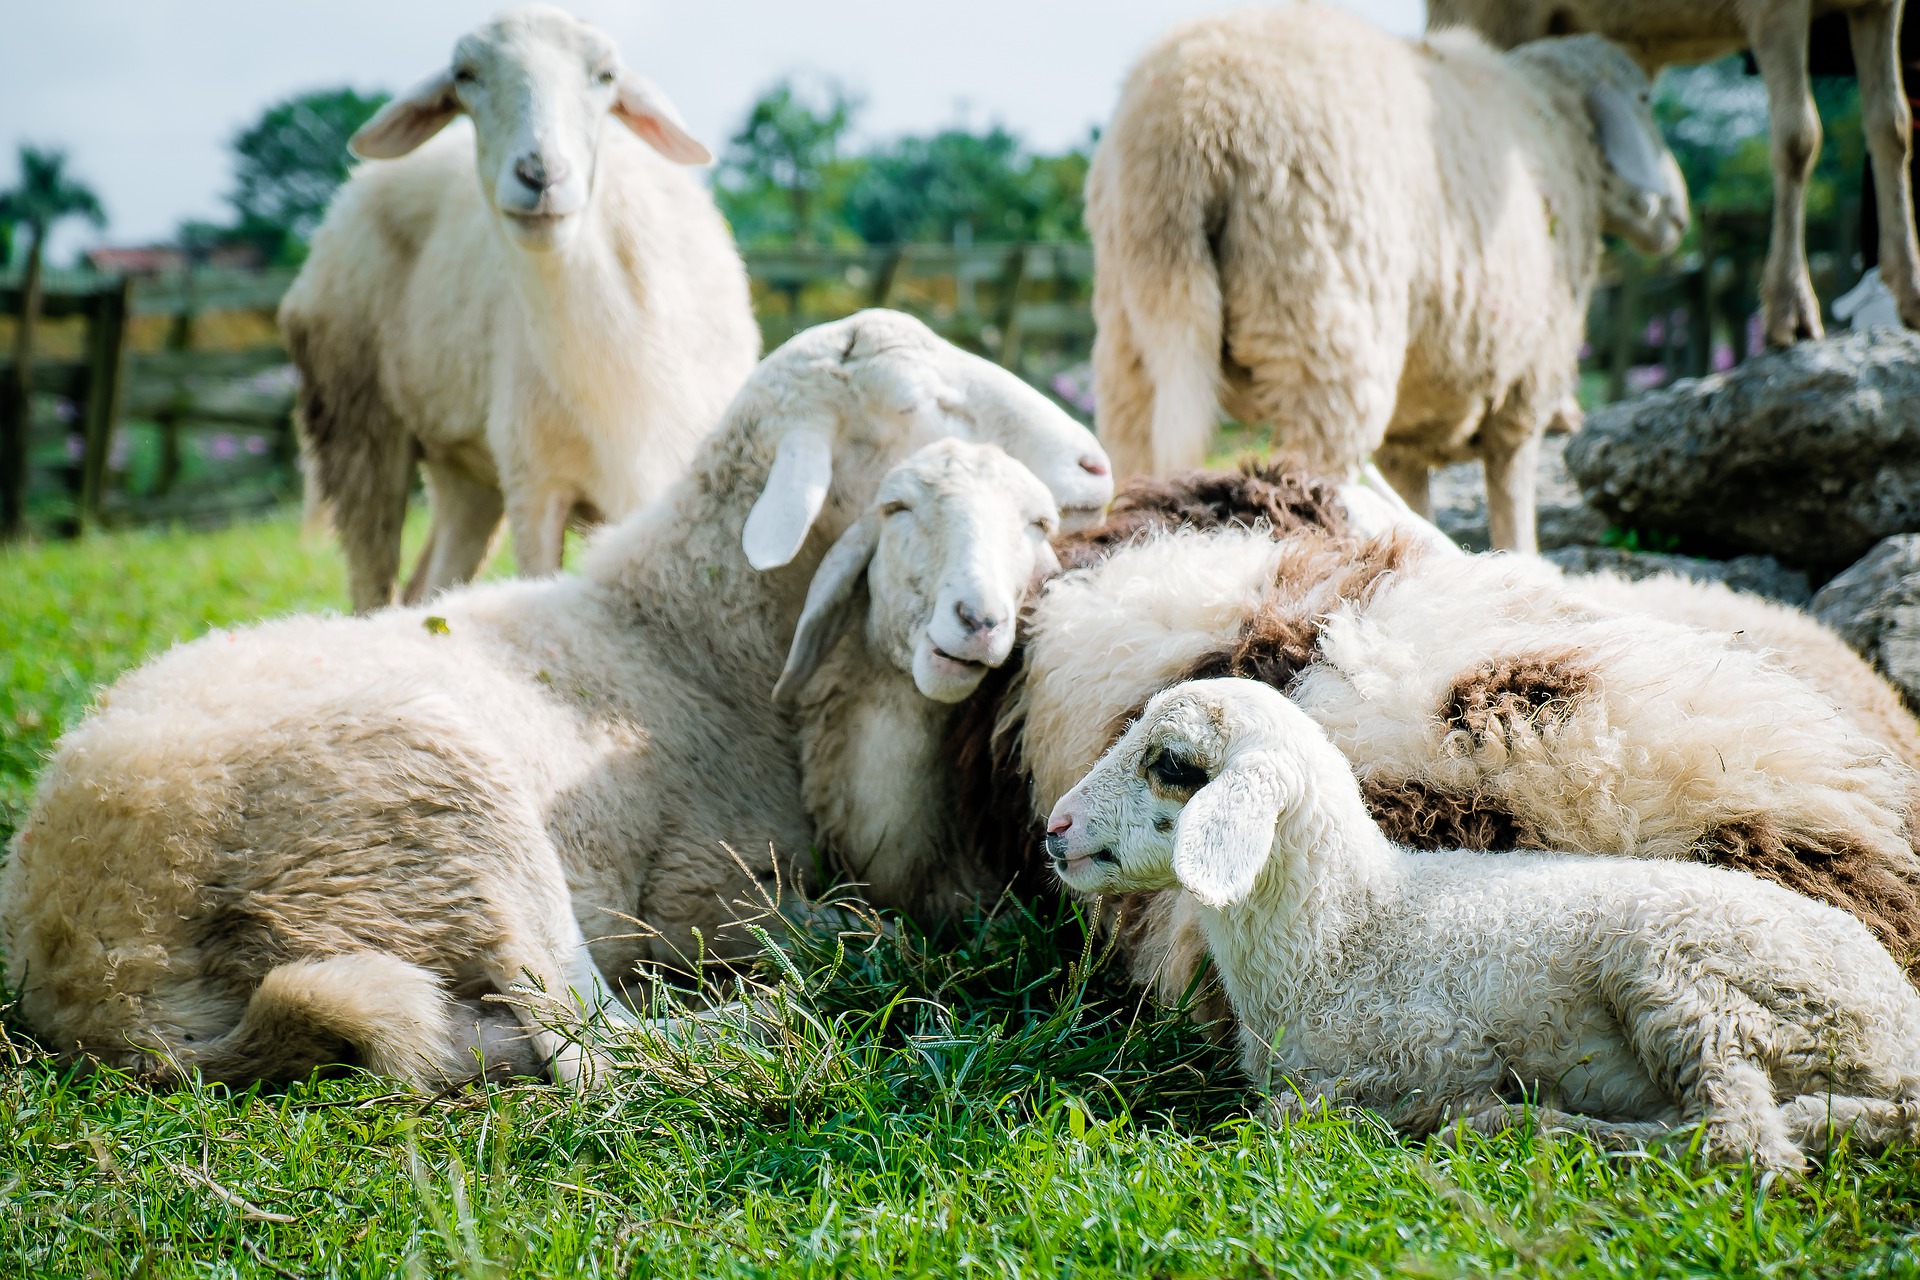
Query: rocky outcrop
1811	454
1875	606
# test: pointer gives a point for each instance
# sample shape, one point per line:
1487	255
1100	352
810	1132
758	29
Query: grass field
986	1103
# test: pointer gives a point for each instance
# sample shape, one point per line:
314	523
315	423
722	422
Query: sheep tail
1177	315
389	1016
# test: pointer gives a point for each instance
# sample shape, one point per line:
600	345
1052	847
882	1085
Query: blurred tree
780	176
45	197
957	185
287	165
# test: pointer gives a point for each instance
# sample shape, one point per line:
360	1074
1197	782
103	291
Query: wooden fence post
106	364
16	405
1010	283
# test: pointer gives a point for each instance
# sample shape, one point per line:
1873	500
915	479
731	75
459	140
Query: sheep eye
604	77
892	508
464	75
1177	772
1045	527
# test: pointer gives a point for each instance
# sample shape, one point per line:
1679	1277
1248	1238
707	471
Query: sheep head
852	398
955	538
538	84
1190	795
1645	197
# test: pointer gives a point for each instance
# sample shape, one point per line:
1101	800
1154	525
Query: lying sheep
1433	666
1377	246
1638	995
296	843
549	314
1660	33
939	567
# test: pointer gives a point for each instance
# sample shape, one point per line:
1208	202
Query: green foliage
45	196
1640	540
286	167
787	179
993	1100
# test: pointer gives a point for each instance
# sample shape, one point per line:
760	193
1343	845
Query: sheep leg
466	515
1408	473
1780	48
1122	393
1887	122
539	521
1511	465
1816	1122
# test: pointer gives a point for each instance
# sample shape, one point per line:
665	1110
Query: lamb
1637	995
1377	246
943	560
303	842
549	315
1660	34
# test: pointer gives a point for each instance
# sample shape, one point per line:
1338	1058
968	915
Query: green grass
991	1102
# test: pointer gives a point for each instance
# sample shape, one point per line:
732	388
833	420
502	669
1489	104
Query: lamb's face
538	84
1189	796
963	533
1114	832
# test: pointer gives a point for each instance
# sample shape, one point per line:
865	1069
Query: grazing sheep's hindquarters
1446	985
469	794
1365	242
547	313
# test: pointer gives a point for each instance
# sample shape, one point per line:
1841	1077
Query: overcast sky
146	94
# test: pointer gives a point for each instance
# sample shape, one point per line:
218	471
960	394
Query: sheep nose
1093	466
1057	848
1059	825
537	174
972	621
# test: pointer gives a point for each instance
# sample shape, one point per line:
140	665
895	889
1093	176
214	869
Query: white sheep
1636	995
548	314
1660	32
290	844
939	566
1483	701
1376	246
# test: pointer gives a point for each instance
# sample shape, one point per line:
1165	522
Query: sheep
1637	995
549	314
942	560
1660	34
1483	700
1376	246
298	842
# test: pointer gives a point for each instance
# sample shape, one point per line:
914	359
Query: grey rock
1757	575
1811	454
1875	606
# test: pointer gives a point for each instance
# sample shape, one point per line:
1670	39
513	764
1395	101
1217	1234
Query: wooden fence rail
197	352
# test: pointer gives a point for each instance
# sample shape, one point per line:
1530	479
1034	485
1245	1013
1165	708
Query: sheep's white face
1189	796
964	532
1645	196
538	84
1114	831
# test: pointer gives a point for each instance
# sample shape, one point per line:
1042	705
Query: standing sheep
549	314
1377	246
293	844
1661	32
1638	995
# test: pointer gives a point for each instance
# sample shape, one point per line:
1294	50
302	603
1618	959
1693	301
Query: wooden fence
167	398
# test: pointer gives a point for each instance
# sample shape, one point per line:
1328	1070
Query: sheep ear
832	603
1624	141
405	123
796	490
645	110
1225	834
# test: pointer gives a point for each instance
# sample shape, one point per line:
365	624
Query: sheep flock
1454	838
